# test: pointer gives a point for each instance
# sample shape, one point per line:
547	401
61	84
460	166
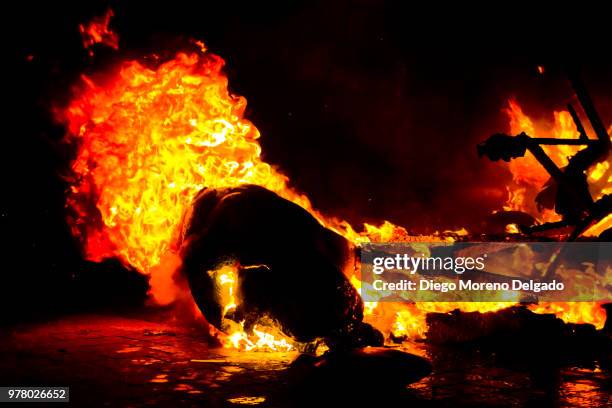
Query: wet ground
133	362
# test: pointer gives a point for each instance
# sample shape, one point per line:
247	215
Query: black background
372	108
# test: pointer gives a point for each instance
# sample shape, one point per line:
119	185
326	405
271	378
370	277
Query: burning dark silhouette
289	267
567	191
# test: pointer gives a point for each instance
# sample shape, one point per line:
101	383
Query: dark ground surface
132	362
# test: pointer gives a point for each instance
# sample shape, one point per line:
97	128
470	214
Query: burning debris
517	325
567	190
288	267
581	206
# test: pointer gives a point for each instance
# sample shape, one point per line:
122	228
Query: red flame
528	174
150	137
97	32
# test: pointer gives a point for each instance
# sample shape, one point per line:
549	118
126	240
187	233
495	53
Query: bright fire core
150	137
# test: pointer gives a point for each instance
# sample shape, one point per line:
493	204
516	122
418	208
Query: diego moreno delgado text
431	285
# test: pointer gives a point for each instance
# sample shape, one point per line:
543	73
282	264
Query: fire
529	176
575	312
410	322
149	137
97	32
265	336
261	340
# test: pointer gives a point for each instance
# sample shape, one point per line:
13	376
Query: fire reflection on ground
110	358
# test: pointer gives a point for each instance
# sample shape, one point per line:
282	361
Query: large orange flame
149	138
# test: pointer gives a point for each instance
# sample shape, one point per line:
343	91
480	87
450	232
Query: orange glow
97	32
575	312
410	321
529	176
262	339
265	336
149	138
